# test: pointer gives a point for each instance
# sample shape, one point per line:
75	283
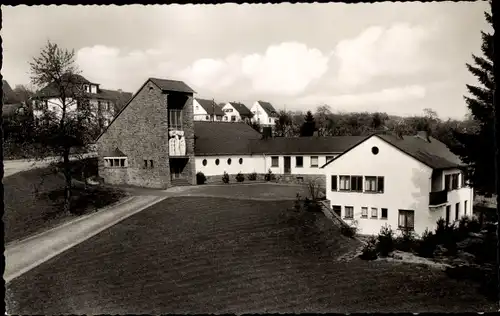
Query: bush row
240	177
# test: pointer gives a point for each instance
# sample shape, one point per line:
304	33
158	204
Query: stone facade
141	133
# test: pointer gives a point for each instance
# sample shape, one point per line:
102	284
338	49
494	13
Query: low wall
278	178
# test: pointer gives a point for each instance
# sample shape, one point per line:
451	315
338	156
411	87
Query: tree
284	124
70	124
477	148
322	117
309	126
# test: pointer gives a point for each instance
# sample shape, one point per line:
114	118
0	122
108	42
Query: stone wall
140	132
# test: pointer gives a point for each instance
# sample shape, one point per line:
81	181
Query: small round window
229	161
204	162
217	161
374	150
240	161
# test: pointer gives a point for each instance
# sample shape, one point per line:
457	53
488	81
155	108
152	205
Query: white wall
250	164
55	105
306	169
227	115
260	115
407	185
199	112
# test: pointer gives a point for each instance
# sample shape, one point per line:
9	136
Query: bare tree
323	115
66	123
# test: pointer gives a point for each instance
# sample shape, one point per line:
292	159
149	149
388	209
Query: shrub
252	176
474	226
406	242
385	239
314	189
225	177
269	176
426	245
349	230
369	251
298	203
200	178
240	177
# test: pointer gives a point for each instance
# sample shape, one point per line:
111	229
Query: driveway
219	255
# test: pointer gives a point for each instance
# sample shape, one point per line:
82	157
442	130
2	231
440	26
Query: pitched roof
9	96
433	153
115	153
304	145
172	85
210	106
270	110
241	108
119	97
223	138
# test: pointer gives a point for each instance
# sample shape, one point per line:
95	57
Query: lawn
33	201
215	255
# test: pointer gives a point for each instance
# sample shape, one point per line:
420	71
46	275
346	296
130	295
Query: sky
398	58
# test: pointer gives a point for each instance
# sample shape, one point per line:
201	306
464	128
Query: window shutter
380	184
334	183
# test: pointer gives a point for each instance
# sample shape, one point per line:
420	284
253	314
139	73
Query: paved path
22	256
14	166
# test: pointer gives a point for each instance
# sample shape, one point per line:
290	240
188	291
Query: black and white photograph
250	158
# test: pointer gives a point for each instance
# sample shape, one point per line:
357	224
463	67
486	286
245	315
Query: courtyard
199	254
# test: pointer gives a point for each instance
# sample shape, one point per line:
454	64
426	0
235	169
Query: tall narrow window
383	213
374	212
349	212
299	161
447	182
151	163
380	184
364	212
465	207
334	183
457	211
357	183
175	119
145	163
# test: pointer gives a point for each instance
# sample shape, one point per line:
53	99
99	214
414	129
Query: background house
405	182
207	110
264	114
103	102
236	112
12	104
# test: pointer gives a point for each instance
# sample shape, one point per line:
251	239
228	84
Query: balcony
438	198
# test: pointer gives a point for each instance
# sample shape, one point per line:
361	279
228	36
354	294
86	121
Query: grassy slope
204	255
33	205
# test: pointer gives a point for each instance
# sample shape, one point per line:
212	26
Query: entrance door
448	211
288	164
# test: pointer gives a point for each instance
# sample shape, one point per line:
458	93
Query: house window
334	183
145	163
204	162
349	212
115	162
207	118
448	211
228	161
275	161
364	212
463	179
217	161
240	161
406	219
345	183
233	118
225	118
374	184
299	161
383	214
328	158
357	183
151	164
465	207
269	120
374	212
457	211
175	119
314	161
454	181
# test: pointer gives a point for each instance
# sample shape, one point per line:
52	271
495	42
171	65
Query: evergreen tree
309	126
477	148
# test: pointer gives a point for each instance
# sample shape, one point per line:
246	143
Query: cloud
378	51
369	99
119	69
284	69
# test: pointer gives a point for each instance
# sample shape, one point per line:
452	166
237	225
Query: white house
104	103
236	112
207	110
404	182
264	114
233	148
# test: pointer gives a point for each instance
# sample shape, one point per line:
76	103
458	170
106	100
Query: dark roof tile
210	106
220	138
242	109
270	110
304	145
172	85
